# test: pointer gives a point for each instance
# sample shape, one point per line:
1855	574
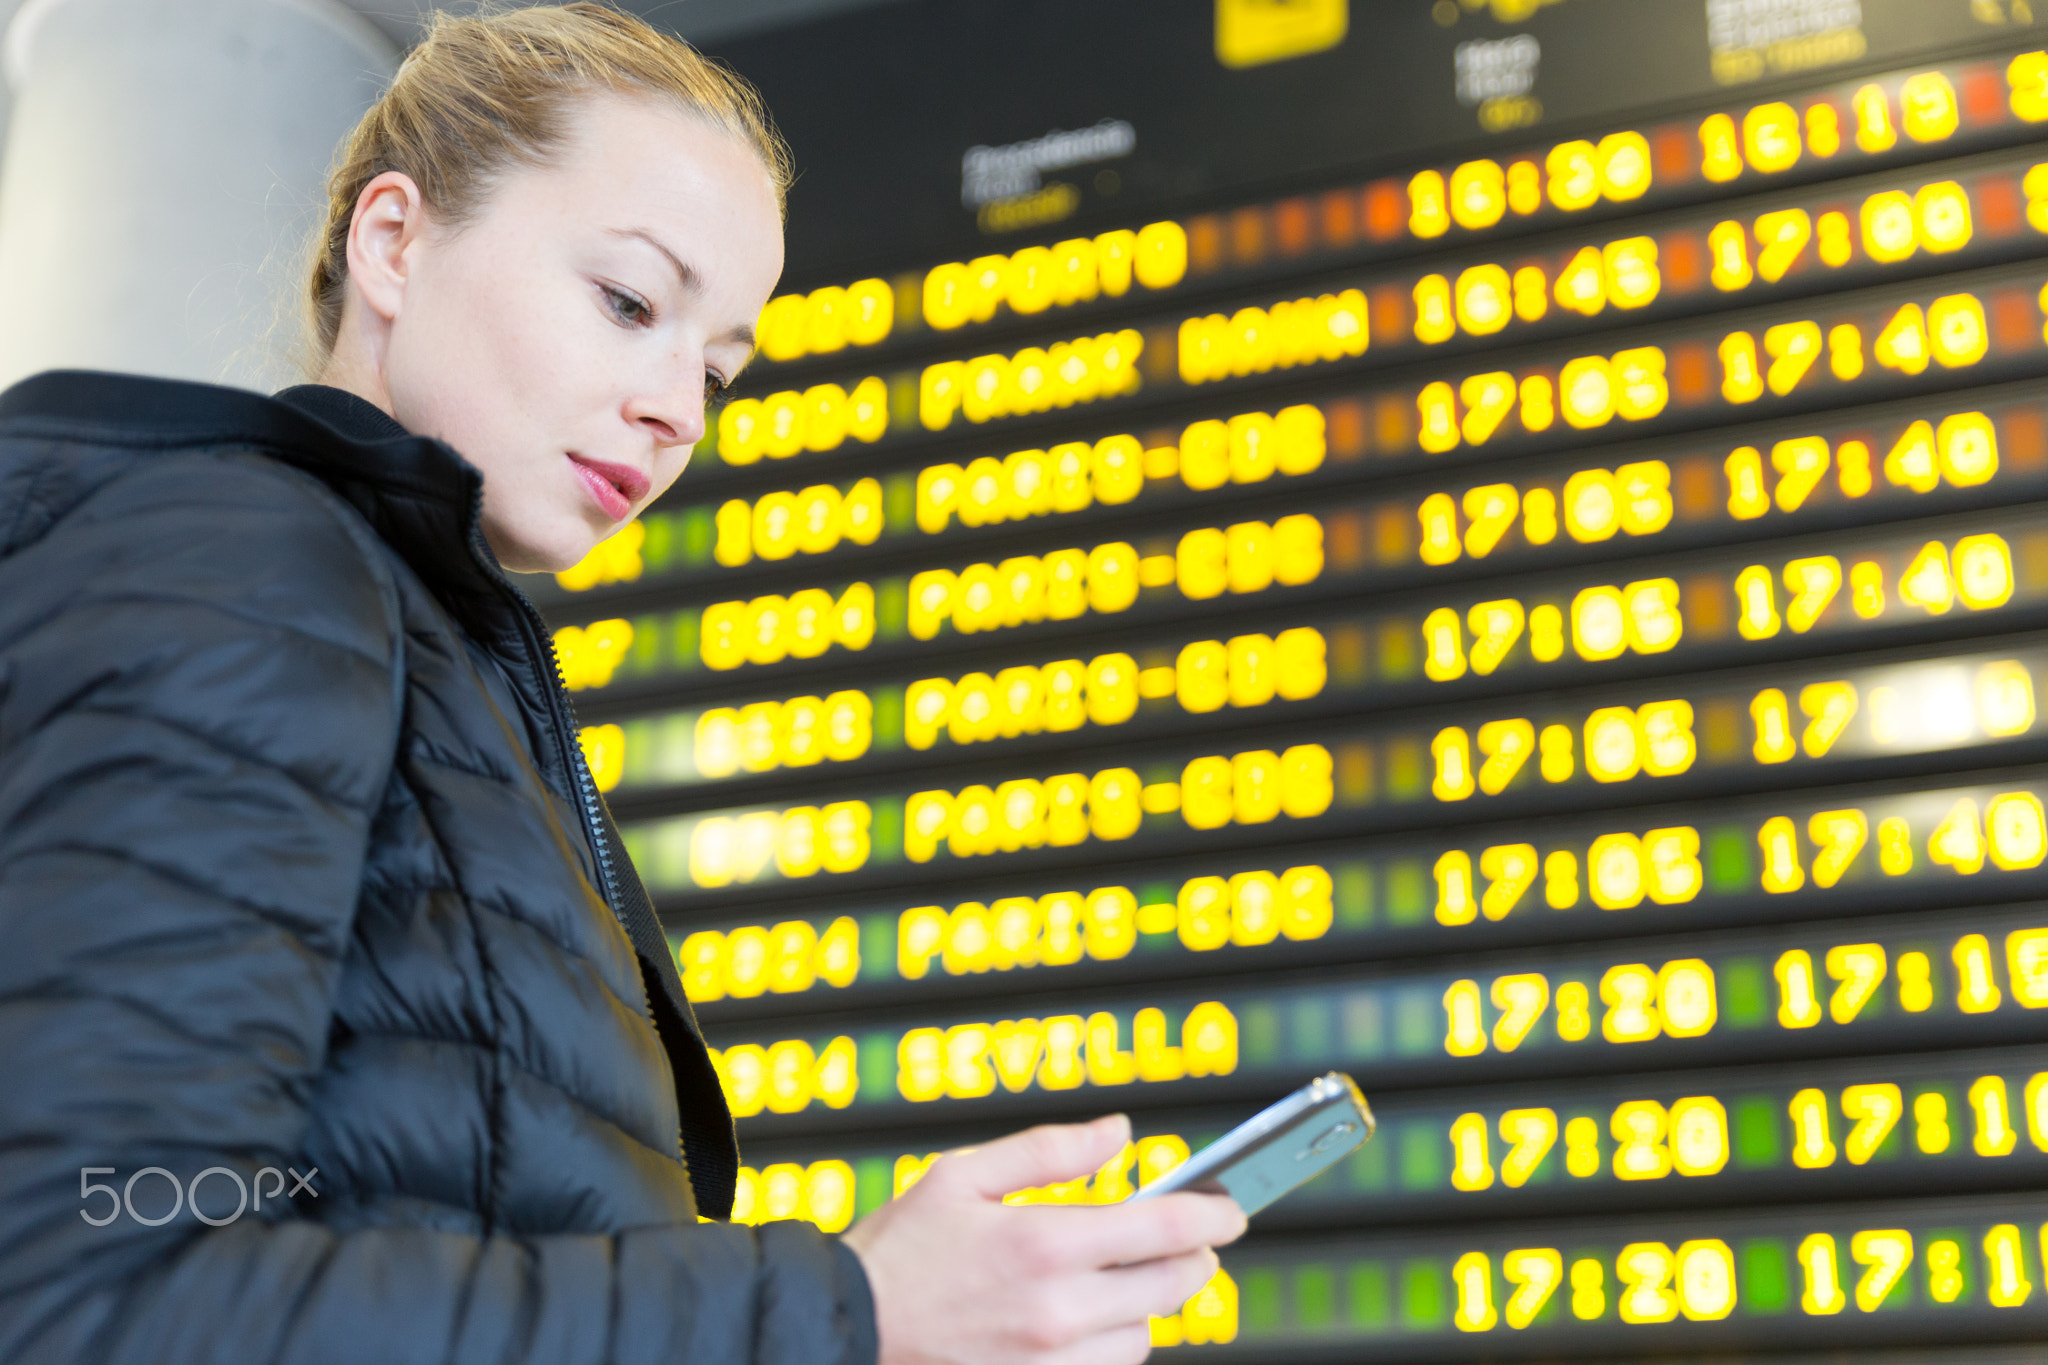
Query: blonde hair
484	92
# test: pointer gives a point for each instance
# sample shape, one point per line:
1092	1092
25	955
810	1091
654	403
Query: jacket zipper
563	714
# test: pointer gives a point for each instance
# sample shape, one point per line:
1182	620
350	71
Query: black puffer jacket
300	868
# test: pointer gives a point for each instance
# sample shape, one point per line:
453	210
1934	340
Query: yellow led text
1035	379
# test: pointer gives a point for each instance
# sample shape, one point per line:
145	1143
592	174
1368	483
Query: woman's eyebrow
686	274
692	282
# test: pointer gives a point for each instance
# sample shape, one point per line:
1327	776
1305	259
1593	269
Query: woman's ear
390	217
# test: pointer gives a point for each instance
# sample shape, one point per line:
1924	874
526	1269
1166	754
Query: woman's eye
714	388
627	308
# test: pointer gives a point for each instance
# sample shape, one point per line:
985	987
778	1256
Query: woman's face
565	340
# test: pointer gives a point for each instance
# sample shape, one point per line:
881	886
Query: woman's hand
961	1278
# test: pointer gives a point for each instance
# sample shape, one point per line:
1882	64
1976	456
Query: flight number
777	734
782	959
1673	1001
1248	788
821	1193
615	559
798	842
1035	379
811	521
1248	557
826	320
1063	1052
822	417
1249	670
1037	278
787	1077
771	628
587	656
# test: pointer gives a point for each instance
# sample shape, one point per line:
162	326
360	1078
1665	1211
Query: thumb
1039	1156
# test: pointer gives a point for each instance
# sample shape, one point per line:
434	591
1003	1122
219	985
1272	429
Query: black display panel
1499	546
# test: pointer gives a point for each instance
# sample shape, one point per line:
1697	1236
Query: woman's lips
614	487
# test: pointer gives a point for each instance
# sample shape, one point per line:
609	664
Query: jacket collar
422	498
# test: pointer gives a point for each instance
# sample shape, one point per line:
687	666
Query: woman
300	868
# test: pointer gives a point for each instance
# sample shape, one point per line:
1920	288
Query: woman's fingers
1106	1301
1090	1237
1043	1155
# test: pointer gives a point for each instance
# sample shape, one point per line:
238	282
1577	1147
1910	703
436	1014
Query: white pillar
164	166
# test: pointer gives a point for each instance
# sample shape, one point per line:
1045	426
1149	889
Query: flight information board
1500	546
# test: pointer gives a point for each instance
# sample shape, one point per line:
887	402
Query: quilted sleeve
200	699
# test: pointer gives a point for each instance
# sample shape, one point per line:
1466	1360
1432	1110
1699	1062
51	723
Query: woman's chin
553	550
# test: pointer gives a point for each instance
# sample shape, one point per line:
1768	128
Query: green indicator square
683	655
1398	653
885	830
874	1184
1261	1033
877	1068
1259	1300
878	947
1354	895
892	608
899	502
1418	1022
639	746
1366	1168
698	533
888	719
1765	1277
660	544
1728	849
1407	893
1424	1286
1315	1297
1311	1029
1365	1026
903	395
1366	1298
644	656
1758	1121
1405	769
1422	1156
673	751
1948	1266
1745	992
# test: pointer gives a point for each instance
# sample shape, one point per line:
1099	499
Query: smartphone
1277	1149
